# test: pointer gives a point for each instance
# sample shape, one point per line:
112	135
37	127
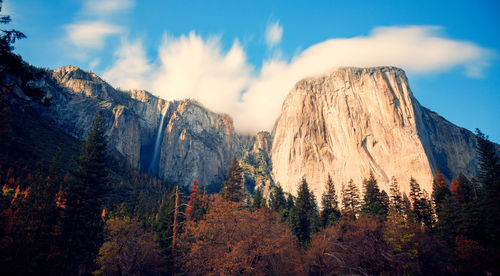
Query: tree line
454	230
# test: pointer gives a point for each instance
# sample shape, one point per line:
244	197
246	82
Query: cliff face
352	121
346	123
194	143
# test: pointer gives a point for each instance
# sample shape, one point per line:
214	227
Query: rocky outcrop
195	143
352	121
198	144
346	123
256	164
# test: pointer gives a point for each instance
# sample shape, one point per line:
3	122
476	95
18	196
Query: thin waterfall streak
153	167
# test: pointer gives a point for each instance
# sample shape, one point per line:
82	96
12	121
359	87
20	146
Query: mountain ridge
197	143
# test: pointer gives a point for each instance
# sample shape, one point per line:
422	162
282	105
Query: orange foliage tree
232	240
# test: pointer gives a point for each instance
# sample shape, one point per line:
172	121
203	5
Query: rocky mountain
178	140
351	121
346	123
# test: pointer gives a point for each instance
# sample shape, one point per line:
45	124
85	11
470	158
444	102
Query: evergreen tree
471	218
164	228
427	211
286	212
303	213
278	201
415	199
374	202
489	177
350	200
82	226
422	209
446	225
440	190
488	163
384	201
396	200
258	200
232	188
446	209
330	211
315	217
405	205
8	37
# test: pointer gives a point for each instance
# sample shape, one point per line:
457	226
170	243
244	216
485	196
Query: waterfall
153	167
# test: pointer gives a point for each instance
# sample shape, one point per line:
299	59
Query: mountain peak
352	121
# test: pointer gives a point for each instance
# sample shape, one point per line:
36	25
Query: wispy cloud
95	24
90	35
274	33
106	7
193	67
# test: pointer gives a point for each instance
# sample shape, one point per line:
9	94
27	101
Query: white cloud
131	68
105	7
274	32
90	35
190	67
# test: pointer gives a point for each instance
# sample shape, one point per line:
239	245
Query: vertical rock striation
355	120
195	143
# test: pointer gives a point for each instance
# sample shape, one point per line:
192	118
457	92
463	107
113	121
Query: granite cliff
346	123
351	121
194	143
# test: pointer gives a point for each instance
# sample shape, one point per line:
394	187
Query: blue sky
240	57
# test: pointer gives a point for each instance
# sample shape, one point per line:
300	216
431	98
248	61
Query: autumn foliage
232	240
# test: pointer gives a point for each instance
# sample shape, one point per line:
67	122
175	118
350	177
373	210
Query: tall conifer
82	226
330	209
232	188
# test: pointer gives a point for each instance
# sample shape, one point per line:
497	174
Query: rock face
256	164
347	123
198	144
195	143
352	121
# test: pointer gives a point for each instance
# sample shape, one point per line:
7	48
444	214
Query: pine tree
396	200
427	211
488	163
446	225
278	201
440	190
422	208
82	226
302	214
465	191
330	211
350	200
258	200
405	205
489	177
374	202
232	188
8	37
165	226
